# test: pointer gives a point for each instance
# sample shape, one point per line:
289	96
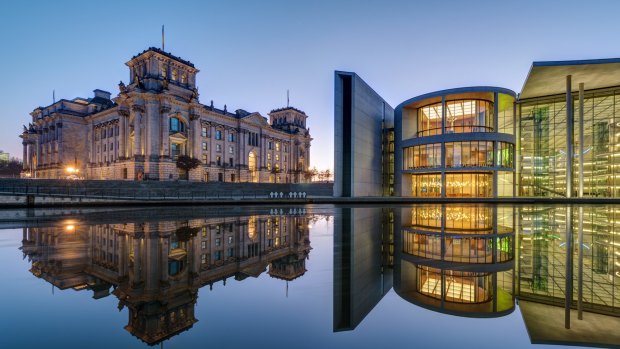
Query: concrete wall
359	115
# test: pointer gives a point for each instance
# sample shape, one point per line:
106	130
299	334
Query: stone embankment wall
31	192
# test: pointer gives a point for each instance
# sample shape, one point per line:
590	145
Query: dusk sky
250	52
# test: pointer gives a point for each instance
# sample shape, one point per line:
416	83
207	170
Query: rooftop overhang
473	92
549	78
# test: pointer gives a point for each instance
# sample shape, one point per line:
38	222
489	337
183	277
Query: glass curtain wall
542	171
462	116
459	154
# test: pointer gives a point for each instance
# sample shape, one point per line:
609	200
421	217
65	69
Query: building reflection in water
480	260
456	259
363	250
156	268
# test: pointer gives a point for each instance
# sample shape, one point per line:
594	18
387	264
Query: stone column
152	131
60	142
165	133
37	152
163	243
225	150
137	259
25	156
195	139
137	126
122	124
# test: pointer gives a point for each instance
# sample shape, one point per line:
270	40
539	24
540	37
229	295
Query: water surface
308	277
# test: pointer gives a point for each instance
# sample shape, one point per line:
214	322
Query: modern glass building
559	137
569	130
456	143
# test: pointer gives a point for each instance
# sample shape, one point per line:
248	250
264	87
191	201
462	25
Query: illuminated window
174	75
277	146
204	145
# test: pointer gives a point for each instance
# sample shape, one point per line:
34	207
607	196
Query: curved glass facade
460	184
459	154
461	116
470	149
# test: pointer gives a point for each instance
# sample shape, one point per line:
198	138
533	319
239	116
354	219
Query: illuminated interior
475	153
475	184
543	154
458	287
462	116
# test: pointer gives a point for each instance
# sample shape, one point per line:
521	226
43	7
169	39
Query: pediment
179	136
256	119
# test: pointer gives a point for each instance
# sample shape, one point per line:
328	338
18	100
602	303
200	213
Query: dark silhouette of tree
187	164
11	169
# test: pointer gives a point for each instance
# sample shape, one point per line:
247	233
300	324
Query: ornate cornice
123	112
106	123
137	108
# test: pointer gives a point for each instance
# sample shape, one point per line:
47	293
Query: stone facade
157	117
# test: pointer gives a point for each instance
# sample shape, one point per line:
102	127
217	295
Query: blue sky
250	52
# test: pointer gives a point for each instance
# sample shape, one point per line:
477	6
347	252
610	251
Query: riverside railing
82	191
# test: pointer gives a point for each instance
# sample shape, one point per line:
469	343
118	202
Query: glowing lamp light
70	228
70	169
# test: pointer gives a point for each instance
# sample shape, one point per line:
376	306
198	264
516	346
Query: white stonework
139	133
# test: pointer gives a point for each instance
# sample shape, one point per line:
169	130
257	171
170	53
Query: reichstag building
155	118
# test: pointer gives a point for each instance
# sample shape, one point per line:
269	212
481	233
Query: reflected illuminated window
458	287
252	227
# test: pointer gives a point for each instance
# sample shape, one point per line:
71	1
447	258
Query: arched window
176	125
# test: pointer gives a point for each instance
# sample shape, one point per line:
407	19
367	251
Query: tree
327	175
12	168
187	164
310	173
